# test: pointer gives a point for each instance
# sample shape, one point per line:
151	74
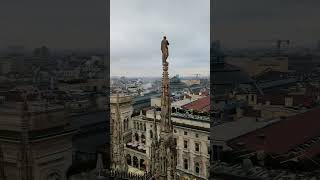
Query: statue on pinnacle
164	49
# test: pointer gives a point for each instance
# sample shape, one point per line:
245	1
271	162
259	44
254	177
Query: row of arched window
139	126
137	138
134	162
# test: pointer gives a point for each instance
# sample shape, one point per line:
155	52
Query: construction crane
279	43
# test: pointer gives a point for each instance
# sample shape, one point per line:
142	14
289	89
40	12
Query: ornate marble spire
118	157
166	160
165	101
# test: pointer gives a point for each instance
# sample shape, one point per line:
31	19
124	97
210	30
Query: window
185	144
185	133
197	168
151	134
175	131
143	139
185	163
144	127
197	147
136	137
197	135
129	159
127	124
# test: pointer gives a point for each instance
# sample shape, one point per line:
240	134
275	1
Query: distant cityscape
59	102
119	113
190	103
265	105
52	111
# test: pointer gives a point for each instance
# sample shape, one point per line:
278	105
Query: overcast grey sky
137	28
56	24
237	21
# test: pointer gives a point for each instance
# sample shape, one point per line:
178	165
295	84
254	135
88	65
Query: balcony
136	146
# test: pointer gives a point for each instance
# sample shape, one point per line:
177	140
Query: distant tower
121	111
166	161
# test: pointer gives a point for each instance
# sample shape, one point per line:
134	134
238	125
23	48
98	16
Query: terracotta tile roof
201	105
284	135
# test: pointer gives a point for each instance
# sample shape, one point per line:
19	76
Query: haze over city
235	23
73	24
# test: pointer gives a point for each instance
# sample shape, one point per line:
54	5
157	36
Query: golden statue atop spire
166	147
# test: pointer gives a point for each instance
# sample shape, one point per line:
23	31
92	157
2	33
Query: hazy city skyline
58	24
237	22
137	28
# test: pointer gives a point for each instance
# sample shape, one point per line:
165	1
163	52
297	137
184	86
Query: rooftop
230	130
284	135
237	171
201	105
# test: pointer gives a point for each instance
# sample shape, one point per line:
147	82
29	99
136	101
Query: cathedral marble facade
191	136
